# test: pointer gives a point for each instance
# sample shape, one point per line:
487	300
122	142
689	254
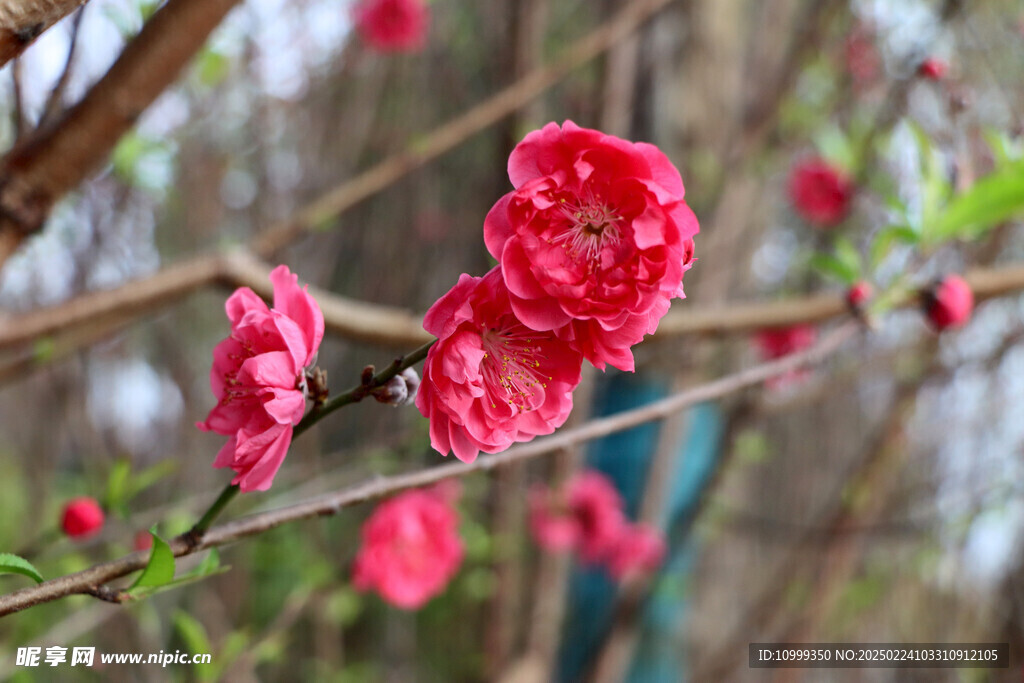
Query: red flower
820	193
859	294
933	69
258	378
411	548
586	515
777	342
82	517
949	303
393	25
490	381
640	550
594	241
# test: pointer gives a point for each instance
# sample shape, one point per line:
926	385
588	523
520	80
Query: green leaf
833	267
159	570
849	256
212	67
193	633
835	146
991	201
887	237
117	486
12	564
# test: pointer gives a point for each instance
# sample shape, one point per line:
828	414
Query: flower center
511	368
592	226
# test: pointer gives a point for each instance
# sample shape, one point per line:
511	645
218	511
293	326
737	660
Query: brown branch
22	21
39	171
461	128
385	325
92	581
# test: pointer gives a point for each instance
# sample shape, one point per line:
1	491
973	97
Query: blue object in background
625	457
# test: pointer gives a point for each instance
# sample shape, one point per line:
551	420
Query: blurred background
875	498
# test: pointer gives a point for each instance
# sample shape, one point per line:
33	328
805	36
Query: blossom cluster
591	245
587	516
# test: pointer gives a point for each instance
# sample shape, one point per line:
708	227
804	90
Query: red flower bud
82	517
859	294
949	303
933	69
143	540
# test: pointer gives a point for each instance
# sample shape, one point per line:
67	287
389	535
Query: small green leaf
835	146
887	237
831	266
12	564
117	486
193	633
849	256
991	201
159	570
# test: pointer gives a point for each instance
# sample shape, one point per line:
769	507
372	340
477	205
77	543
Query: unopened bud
949	303
400	390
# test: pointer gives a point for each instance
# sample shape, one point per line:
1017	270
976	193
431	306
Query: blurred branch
55	99
40	170
104	312
461	128
22	21
92	581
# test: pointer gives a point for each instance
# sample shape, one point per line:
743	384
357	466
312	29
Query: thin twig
54	101
461	128
89	580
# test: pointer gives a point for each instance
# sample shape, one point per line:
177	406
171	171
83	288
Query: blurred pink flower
258	378
393	25
933	68
862	58
594	240
820	192
949	303
411	548
587	514
82	517
489	381
777	342
639	550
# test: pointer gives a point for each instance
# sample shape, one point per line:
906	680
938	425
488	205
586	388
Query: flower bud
143	540
82	517
933	69
949	303
859	294
400	390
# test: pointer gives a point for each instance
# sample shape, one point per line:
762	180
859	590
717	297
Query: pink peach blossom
639	550
820	192
411	548
594	240
587	515
490	381
393	25
258	378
